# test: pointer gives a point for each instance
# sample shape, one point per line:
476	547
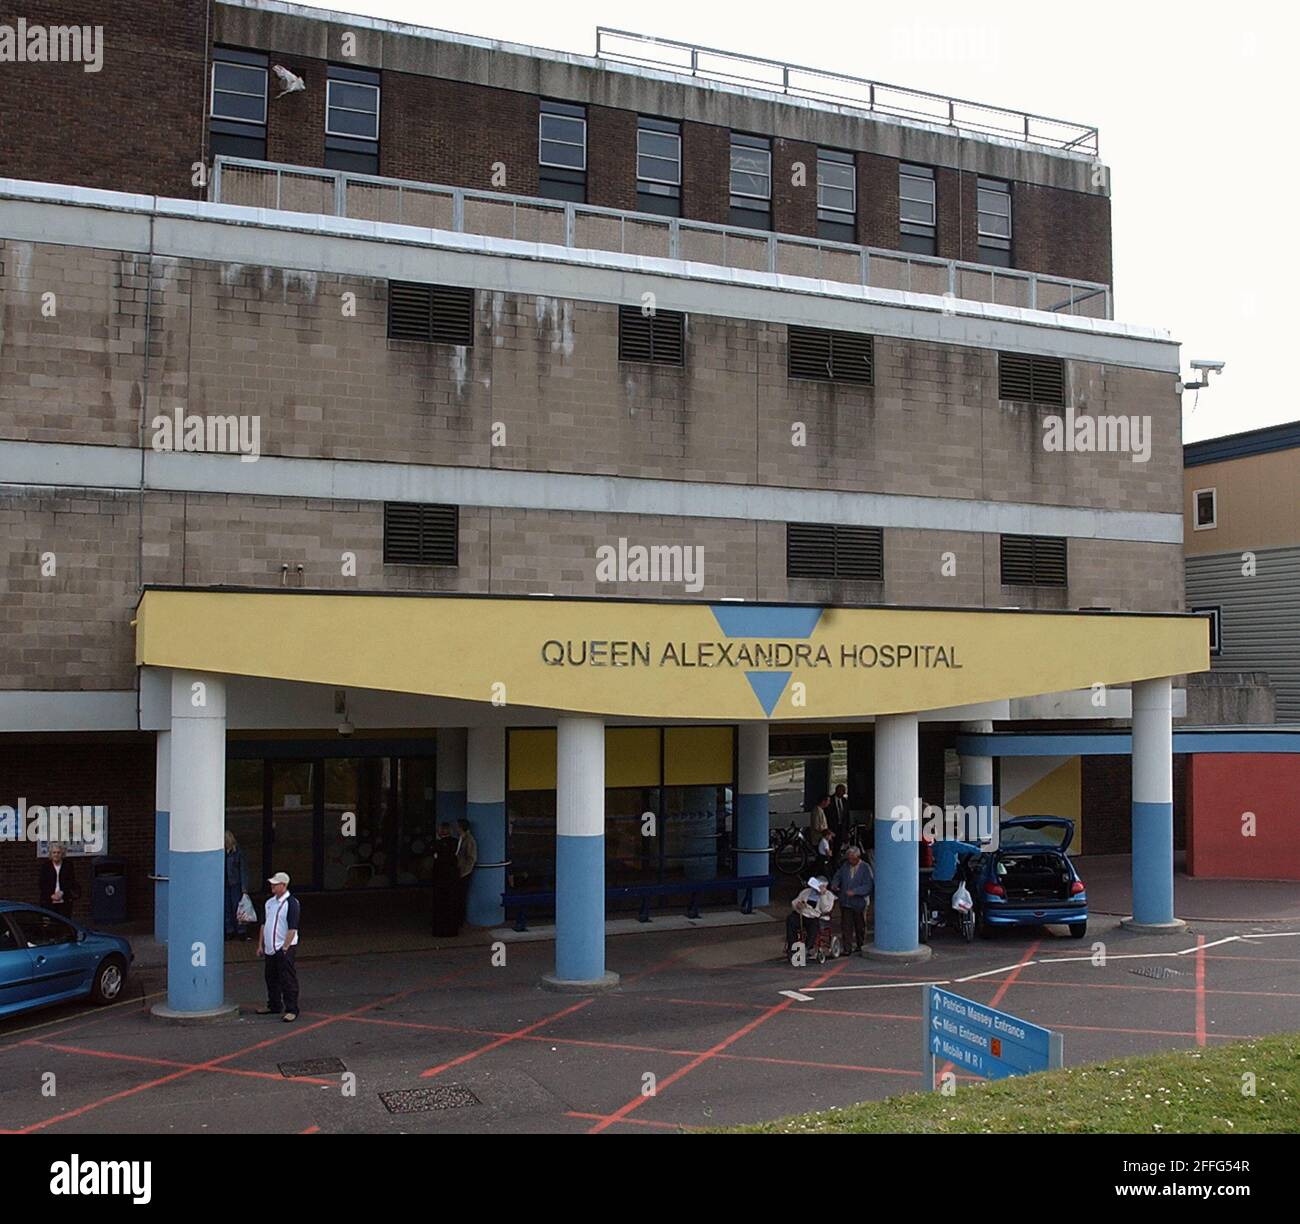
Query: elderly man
853	884
277	941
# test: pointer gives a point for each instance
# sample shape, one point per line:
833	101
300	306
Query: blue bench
521	902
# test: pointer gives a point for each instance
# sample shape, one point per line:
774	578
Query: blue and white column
752	826
897	900
196	859
580	857
1153	806
162	807
485	808
976	786
449	804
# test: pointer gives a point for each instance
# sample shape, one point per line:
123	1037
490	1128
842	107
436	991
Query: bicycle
791	852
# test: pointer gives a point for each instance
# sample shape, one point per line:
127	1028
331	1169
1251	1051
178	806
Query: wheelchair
936	911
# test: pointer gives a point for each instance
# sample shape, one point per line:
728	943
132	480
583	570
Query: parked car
46	959
1029	879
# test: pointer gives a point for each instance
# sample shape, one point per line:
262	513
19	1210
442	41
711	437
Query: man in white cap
277	941
806	911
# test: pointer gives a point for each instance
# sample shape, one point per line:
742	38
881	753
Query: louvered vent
1034	380
440	314
1033	561
824	550
829	356
416	534
658	337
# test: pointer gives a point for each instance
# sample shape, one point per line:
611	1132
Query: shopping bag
961	899
244	911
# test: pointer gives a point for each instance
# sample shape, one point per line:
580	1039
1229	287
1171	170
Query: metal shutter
824	550
1034	561
416	534
1035	380
443	314
658	337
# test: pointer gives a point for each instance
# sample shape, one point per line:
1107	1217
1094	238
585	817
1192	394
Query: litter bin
108	891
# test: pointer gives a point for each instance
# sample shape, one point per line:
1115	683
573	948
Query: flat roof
1241	445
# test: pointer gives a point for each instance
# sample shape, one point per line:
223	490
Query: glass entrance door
292	836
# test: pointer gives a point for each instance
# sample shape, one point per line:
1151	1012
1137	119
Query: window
42	930
440	314
1215	615
827	550
352	120
917	209
416	534
1207	509
829	356
994	221
1038	561
562	151
751	181
659	337
837	195
237	125
1035	380
659	166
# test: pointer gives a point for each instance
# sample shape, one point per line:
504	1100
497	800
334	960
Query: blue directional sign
983	1041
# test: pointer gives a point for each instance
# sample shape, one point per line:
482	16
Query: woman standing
446	884
58	883
236	885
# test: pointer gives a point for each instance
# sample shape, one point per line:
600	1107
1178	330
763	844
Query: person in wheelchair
810	912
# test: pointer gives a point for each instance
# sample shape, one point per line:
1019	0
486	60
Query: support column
580	857
897	866
485	808
752	826
977	776
162	807
1153	807
450	780
196	858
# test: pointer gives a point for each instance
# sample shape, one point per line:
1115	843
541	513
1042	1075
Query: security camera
1206	368
1216	366
346	728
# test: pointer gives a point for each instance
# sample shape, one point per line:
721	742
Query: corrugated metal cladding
1260	618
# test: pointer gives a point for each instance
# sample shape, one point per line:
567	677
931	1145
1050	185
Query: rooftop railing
710	63
271	185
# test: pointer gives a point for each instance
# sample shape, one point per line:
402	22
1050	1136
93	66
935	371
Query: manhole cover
421	1100
1157	971
312	1066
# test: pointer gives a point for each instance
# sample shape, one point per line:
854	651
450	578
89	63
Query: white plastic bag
244	911
961	899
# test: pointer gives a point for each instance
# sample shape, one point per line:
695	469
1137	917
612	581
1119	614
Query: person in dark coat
446	884
236	886
58	887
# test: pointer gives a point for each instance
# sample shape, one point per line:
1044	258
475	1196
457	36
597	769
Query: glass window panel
630	858
919	211
658	144
352	123
572	157
755	185
658	170
358	786
417	803
239	92
293	829
754	161
563	128
996	202
835	198
995	227
244	799
354	97
694	832
531	848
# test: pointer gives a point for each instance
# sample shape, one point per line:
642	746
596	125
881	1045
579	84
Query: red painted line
311	1130
171	1062
460	1060
1002	990
1261	994
637	1101
674	1126
1200	990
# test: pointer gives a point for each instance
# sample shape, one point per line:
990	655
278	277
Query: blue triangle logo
768	687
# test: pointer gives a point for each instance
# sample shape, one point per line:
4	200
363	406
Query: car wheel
110	978
1078	930
835	947
968	926
982	928
923	932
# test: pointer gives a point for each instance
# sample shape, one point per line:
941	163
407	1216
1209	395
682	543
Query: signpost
981	1040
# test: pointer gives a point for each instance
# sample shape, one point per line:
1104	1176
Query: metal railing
461	210
731	67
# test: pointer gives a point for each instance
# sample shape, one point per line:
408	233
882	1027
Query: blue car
1029	880
46	959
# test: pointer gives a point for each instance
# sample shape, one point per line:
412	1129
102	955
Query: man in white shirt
277	941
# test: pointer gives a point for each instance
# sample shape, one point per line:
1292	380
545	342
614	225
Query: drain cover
312	1066
1158	972
421	1100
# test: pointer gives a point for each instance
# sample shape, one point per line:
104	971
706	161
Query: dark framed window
39	930
829	355
659	166
1214	613
837	195
418	534
1206	503
918	209
237	104
562	151
994	221
831	550
751	181
1033	380
1037	561
352	120
658	337
437	314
